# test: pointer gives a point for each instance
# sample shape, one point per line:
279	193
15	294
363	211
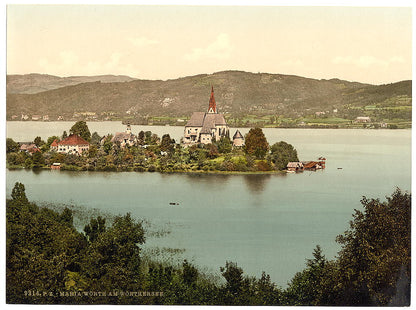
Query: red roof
54	143
73	140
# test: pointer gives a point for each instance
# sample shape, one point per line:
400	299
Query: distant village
359	122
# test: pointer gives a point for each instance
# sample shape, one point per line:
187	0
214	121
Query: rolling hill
35	83
237	94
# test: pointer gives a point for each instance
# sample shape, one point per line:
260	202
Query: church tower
128	129
212	105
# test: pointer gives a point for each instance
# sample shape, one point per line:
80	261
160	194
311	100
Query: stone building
204	127
125	138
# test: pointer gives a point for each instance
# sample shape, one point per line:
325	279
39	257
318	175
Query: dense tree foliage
49	261
38	141
11	146
81	129
281	153
224	145
373	266
375	252
306	287
151	153
256	143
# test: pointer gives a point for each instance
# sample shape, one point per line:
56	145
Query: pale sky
364	44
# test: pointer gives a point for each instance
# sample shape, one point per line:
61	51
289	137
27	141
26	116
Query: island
205	147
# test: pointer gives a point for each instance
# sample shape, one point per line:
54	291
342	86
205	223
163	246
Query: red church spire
212	105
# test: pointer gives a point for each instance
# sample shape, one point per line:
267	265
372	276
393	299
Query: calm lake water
265	223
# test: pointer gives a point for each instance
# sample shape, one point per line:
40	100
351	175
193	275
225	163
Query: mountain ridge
238	93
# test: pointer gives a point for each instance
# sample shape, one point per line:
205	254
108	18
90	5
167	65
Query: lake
265	223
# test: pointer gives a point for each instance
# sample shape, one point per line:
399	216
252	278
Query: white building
363	119
73	144
238	139
204	127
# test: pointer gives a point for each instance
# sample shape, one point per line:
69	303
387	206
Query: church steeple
212	108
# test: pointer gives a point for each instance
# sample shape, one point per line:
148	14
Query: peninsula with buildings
207	146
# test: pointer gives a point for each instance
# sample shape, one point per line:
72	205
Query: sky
365	44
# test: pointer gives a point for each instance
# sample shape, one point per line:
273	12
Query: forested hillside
242	96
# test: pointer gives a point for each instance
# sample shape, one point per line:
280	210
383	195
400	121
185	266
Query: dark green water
264	222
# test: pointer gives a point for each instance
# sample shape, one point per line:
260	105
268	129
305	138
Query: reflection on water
256	183
37	171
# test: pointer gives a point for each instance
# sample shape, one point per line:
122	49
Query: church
205	127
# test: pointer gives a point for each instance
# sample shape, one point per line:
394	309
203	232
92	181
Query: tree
234	282
45	241
256	143
11	146
281	153
80	128
224	145
113	258
266	291
190	273
376	253
50	140
94	228
95	138
18	193
306	287
141	137
37	160
39	142
16	158
212	151
167	144
64	135
66	217
92	151
108	145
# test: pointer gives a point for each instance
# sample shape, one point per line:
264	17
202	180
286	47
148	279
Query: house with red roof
54	145
29	148
73	144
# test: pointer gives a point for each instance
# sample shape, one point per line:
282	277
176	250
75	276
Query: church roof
196	120
206	120
122	136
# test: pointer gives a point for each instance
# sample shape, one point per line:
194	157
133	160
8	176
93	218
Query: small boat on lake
174	203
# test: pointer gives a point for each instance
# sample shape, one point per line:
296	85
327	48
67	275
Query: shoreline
320	126
202	172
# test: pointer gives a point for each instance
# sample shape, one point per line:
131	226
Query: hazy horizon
180	77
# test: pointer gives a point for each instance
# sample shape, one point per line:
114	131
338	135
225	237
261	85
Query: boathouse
295	166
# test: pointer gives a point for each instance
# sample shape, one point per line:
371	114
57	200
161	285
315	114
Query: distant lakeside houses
28	147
